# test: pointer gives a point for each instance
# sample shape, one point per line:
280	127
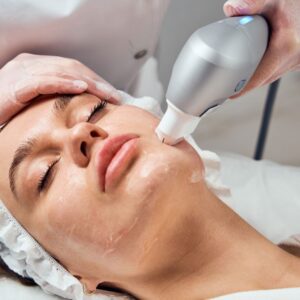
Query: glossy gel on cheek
115	237
196	176
152	176
139	194
155	163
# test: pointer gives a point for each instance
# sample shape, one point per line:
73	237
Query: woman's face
68	212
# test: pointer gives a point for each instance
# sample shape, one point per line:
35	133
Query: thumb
243	7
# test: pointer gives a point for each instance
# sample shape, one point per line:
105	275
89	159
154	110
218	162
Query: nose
81	140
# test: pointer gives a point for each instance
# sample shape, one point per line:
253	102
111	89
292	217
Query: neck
217	253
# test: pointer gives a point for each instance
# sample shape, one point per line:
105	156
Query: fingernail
231	10
235	3
104	87
80	84
110	91
236	6
116	95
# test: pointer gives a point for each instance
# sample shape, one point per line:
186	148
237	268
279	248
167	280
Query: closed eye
97	108
46	177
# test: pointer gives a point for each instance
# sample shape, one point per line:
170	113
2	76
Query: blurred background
235	126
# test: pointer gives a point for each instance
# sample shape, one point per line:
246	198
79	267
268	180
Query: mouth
113	158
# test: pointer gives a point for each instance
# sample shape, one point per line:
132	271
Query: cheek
127	118
160	176
69	209
150	174
77	218
165	167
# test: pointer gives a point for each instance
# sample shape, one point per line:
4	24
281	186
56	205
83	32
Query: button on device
246	20
240	85
140	54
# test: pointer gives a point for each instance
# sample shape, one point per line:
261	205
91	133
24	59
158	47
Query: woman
151	227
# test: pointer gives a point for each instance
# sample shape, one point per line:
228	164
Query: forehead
24	123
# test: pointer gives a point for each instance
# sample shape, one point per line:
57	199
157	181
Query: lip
106	155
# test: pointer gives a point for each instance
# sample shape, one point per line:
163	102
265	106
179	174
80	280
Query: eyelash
98	107
44	179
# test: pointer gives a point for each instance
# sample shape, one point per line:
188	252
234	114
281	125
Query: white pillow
265	194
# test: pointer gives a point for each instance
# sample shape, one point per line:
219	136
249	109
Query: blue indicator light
246	20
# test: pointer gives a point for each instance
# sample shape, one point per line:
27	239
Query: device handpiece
216	63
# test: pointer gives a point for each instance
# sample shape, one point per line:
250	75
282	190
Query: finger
26	90
269	68
65	68
96	85
103	90
243	7
55	66
260	78
9	106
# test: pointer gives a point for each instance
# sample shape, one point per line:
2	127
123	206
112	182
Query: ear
89	284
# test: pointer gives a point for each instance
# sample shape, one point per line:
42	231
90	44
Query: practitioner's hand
283	53
27	76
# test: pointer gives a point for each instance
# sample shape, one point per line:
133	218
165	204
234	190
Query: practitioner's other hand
283	53
27	76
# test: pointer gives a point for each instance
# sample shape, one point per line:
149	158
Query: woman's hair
8	273
295	250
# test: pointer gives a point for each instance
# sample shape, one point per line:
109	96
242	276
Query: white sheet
267	196
282	294
264	193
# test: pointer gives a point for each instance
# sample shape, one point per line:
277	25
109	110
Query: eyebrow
27	147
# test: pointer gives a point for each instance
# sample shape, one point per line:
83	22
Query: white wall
235	126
